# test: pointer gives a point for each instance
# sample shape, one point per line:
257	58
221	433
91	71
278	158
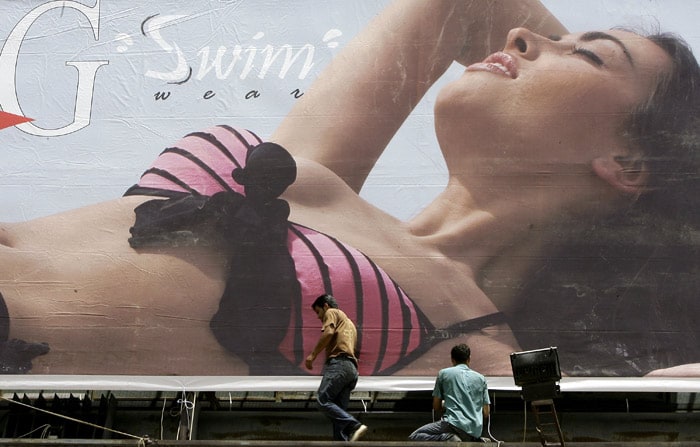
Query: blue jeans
441	431
339	379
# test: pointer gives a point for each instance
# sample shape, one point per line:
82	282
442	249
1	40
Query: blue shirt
465	393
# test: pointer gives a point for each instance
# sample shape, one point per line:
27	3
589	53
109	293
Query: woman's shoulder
317	182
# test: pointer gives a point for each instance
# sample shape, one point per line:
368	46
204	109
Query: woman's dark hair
619	296
666	129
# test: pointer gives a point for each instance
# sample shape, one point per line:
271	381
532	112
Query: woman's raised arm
351	112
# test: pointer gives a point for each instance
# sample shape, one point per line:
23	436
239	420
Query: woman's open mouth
498	63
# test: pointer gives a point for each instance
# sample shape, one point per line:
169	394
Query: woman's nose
524	42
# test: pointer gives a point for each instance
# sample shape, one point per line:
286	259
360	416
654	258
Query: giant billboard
180	181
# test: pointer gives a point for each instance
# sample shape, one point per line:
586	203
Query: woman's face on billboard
553	99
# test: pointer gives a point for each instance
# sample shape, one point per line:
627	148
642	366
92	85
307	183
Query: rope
142	440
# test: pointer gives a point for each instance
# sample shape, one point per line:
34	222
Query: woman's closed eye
591	56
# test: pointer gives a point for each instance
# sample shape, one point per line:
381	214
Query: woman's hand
688	370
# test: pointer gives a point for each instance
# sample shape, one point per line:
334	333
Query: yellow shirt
345	334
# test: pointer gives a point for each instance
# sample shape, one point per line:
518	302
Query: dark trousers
441	431
339	379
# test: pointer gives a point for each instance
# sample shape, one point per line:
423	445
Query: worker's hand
310	361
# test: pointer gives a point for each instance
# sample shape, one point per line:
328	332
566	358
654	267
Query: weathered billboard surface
544	196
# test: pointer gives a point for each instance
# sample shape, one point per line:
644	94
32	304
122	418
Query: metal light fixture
537	372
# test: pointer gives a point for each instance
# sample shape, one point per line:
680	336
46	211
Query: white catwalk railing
310	383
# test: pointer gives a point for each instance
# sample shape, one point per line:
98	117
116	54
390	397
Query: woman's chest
440	285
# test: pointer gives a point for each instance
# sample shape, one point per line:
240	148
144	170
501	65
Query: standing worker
461	396
338	338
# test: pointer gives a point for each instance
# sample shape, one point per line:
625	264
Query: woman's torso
95	275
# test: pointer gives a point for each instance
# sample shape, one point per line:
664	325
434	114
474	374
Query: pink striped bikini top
391	329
